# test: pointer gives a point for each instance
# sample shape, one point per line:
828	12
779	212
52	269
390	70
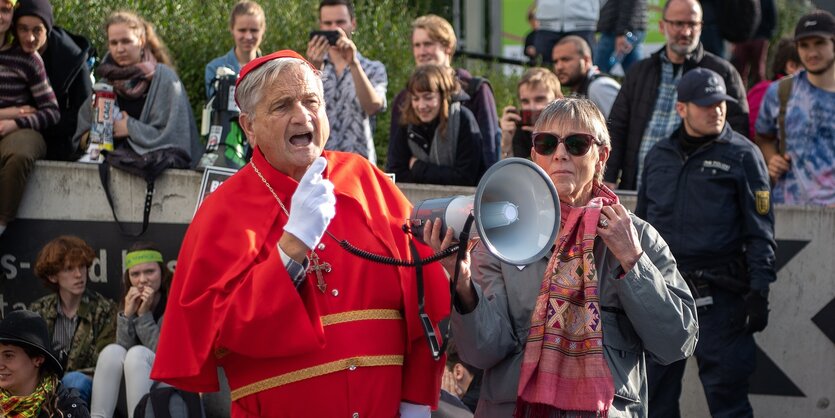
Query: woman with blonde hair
247	24
438	140
155	111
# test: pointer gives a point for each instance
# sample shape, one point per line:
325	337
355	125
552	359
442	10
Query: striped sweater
23	81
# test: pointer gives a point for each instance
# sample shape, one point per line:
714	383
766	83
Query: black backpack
738	20
169	402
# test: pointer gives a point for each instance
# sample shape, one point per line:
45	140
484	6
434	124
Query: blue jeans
606	46
80	382
726	357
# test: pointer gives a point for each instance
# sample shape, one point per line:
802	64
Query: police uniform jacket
712	206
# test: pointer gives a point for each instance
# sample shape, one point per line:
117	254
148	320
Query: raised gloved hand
313	205
756	306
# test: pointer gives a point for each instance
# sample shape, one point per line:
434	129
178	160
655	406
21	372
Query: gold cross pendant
317	267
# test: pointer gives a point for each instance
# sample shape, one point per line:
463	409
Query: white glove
313	205
410	410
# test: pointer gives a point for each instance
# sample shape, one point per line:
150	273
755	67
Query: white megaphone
516	210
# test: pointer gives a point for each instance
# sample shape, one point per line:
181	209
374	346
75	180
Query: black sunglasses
576	144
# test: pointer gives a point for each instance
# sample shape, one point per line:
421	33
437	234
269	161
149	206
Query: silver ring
604	223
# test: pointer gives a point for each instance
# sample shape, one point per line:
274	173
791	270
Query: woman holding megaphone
568	334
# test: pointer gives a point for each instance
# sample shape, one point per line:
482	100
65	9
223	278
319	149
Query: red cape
229	269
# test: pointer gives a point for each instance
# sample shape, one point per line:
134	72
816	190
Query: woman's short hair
60	253
247	8
538	76
438	28
251	89
576	113
144	30
429	78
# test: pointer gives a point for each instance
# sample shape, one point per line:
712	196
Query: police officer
706	190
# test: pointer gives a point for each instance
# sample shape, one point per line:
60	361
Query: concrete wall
796	360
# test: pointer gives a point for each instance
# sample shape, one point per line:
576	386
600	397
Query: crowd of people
600	326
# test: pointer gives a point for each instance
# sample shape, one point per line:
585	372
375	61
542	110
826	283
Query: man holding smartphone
536	89
355	86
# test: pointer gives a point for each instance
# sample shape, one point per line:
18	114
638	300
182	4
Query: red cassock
355	350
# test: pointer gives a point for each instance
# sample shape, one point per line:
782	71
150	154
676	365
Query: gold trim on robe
315	371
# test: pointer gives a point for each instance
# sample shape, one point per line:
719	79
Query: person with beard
706	190
65	60
644	111
573	66
803	169
536	89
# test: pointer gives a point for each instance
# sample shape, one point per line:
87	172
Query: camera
529	117
331	35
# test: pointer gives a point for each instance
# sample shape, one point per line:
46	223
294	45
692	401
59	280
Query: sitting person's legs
80	382
106	381
18	152
138	363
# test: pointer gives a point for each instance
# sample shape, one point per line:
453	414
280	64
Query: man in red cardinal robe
302	327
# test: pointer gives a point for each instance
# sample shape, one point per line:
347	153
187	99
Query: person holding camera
536	89
355	86
247	24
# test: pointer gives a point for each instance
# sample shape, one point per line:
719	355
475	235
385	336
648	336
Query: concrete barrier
796	359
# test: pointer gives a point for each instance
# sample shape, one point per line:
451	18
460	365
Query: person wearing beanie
27	107
800	150
705	188
65	56
30	370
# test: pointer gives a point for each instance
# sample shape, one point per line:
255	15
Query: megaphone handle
428	329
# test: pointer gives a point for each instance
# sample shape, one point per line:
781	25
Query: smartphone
331	35
529	117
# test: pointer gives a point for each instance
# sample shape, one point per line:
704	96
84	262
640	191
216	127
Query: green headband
143	256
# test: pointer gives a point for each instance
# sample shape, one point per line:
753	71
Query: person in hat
30	384
65	58
27	107
81	321
797	134
706	191
145	286
263	288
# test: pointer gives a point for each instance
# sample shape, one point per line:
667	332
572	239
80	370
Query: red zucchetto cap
257	62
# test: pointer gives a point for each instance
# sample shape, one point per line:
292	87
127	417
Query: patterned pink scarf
130	82
564	372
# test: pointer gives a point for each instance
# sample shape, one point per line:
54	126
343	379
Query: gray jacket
568	15
166	119
138	330
649	310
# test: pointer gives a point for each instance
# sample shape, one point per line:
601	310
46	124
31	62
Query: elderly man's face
700	121
289	124
573	176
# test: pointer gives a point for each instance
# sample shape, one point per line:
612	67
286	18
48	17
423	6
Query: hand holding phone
331	35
